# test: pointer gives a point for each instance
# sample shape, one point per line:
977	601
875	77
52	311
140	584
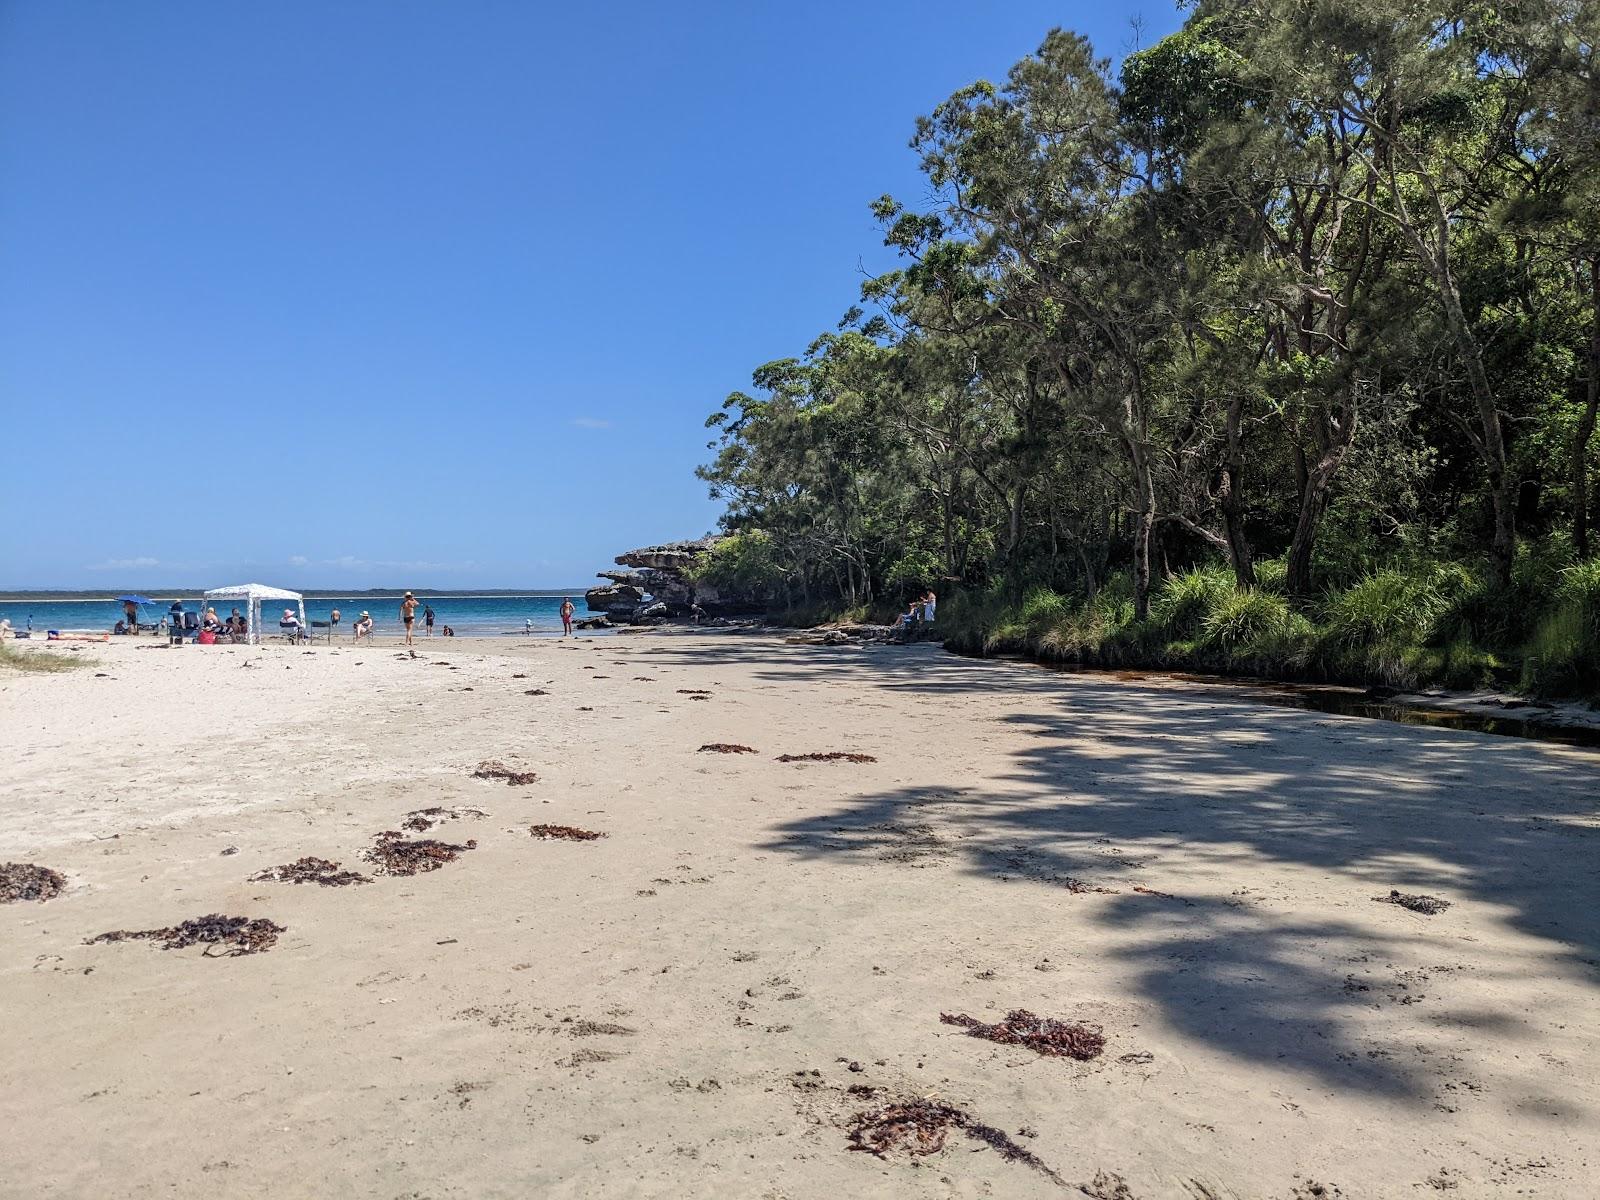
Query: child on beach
566	617
427	618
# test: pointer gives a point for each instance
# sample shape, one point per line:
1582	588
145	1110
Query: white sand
747	920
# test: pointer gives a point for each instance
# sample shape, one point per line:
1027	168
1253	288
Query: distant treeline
1308	291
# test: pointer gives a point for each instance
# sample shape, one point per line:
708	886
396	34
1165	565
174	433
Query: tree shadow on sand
1114	774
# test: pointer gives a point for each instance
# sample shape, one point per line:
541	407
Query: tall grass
1563	656
1430	623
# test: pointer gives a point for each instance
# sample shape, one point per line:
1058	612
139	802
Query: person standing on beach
427	618
566	617
130	615
408	614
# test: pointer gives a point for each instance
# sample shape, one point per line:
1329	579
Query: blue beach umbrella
135	600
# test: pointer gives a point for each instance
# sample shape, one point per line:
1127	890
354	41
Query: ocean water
468	615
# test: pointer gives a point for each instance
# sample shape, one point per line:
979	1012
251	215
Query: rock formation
662	573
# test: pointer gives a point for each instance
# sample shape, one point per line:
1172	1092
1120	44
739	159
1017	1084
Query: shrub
1188	599
1389	606
1272	574
1563	655
1243	618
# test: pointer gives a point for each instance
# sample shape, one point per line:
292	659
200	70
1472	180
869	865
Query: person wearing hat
408	614
363	626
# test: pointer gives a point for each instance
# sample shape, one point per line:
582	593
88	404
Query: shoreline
1486	704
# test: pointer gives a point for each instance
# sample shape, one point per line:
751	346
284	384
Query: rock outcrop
657	585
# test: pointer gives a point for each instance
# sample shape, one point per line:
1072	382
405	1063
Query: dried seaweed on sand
566	833
830	756
29	881
244	934
309	870
423	819
493	768
1044	1035
393	855
726	748
1428	906
919	1127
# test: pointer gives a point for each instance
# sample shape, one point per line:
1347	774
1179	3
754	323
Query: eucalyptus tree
1042	220
1429	96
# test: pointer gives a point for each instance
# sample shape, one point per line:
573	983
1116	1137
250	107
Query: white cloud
125	564
590	422
299	560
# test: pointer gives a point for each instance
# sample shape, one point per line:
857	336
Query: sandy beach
703	1001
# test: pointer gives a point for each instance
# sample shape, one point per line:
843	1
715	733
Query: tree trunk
1144	515
1491	437
1231	496
1313	503
1586	420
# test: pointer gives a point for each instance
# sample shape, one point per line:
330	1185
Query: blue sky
430	294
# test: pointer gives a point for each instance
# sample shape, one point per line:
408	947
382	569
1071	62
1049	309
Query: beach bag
207	638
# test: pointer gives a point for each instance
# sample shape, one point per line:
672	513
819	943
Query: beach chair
322	625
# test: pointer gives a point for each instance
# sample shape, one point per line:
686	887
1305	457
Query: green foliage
915	569
1243	618
746	562
1388	606
1187	600
1210	303
1563	656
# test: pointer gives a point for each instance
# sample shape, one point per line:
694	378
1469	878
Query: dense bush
1432	624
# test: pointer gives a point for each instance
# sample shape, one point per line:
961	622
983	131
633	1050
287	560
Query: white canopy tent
253	594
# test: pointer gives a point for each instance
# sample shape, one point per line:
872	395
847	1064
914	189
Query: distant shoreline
86	597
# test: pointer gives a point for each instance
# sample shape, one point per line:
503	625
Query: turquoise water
474	615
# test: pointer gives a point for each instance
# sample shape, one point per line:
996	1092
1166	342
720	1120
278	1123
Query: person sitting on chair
363	626
290	624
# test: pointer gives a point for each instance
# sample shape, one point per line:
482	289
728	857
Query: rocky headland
657	583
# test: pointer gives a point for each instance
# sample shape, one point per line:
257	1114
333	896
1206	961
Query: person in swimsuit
427	618
408	614
363	626
566	617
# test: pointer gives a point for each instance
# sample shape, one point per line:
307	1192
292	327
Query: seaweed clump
830	756
920	1127
1428	906
493	768
566	833
29	881
393	855
726	748
243	935
309	870
1043	1035
424	819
